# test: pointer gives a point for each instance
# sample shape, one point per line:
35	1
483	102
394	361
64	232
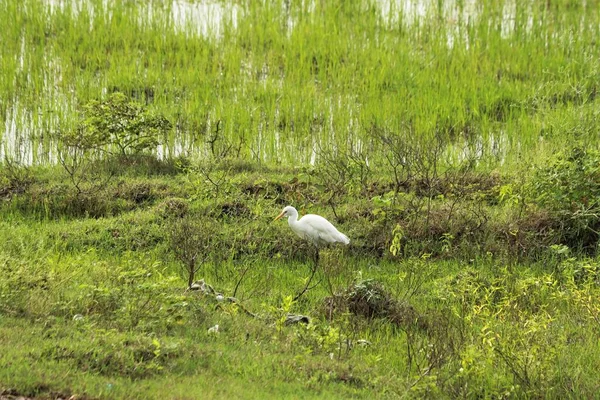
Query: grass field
454	142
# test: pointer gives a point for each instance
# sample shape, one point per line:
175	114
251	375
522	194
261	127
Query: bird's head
286	212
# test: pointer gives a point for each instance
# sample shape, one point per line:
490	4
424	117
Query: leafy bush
117	122
569	187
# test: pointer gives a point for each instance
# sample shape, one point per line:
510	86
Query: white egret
316	230
313	228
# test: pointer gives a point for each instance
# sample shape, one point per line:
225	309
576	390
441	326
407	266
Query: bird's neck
292	219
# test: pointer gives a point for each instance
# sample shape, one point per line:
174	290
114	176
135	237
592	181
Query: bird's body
313	228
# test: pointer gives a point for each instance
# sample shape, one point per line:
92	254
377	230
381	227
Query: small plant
14	178
398	235
340	173
221	147
192	242
286	307
446	241
78	163
569	187
116	122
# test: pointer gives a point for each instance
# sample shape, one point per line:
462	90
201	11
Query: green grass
213	368
98	306
282	78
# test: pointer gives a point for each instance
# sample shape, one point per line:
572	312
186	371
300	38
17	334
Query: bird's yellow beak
279	216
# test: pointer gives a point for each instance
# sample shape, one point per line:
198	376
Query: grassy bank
95	299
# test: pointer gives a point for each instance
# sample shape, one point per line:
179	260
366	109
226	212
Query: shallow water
30	121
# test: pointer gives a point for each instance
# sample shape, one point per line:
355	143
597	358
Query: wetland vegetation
148	145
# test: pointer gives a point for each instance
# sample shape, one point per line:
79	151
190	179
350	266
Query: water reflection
206	18
203	18
192	17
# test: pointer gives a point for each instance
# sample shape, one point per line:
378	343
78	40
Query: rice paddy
282	81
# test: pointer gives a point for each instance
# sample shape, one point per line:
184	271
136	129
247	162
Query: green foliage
570	188
398	235
193	240
117	122
286	306
320	338
108	298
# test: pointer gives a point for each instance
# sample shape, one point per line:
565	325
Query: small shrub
116	122
193	241
14	179
569	187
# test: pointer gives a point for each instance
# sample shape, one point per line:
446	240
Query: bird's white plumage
313	228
